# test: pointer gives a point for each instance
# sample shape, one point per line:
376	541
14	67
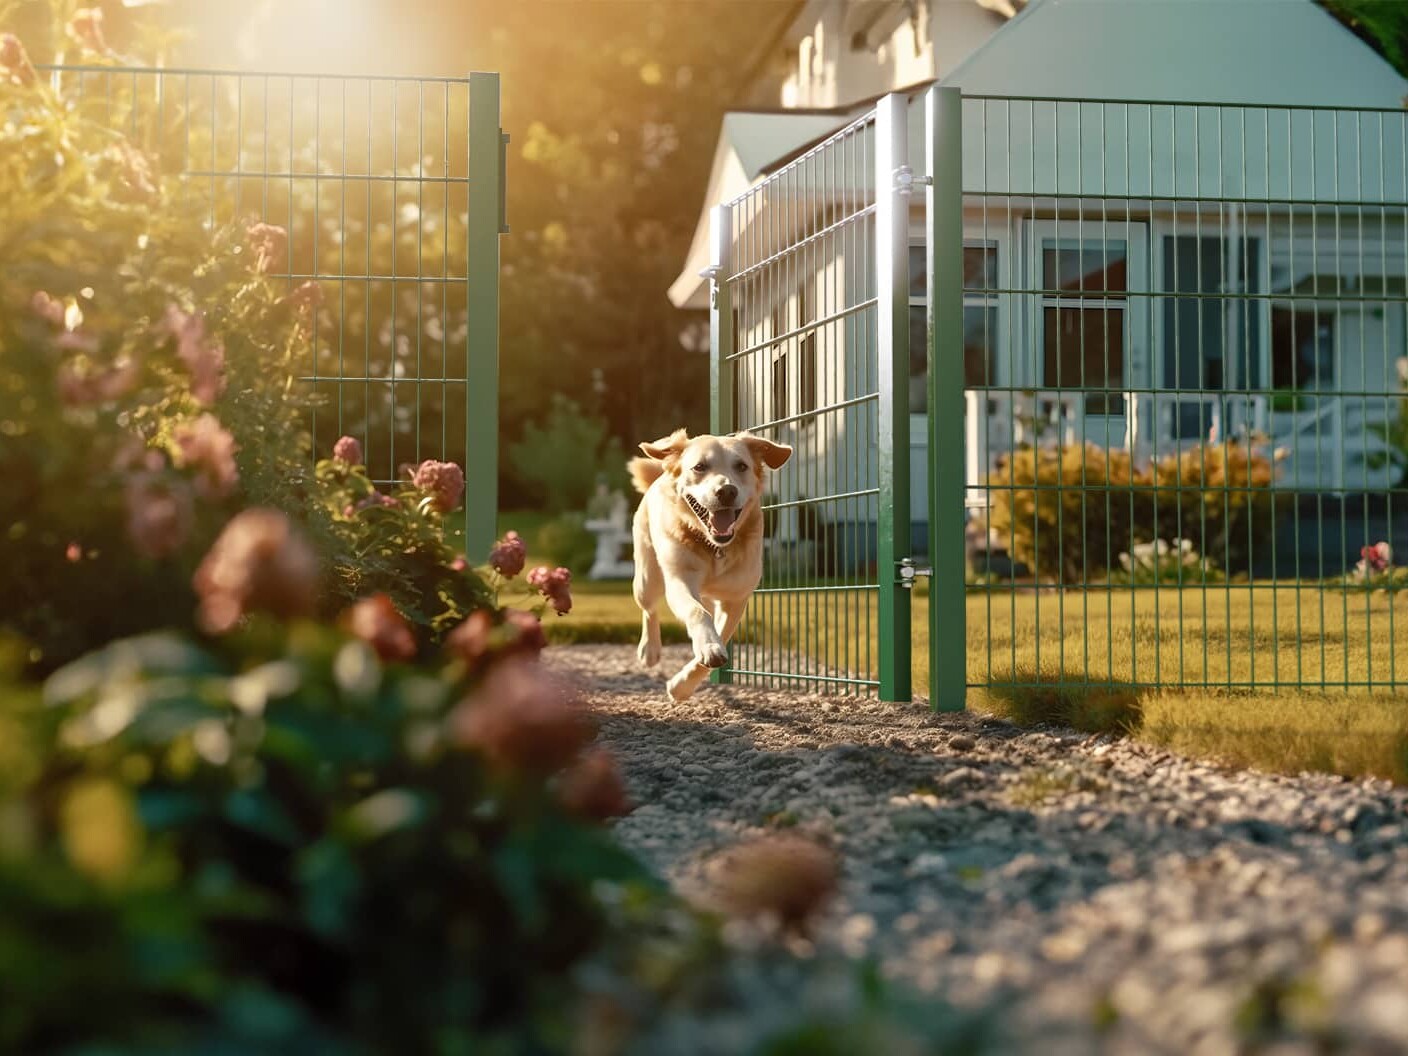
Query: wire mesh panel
1184	346
804	354
385	194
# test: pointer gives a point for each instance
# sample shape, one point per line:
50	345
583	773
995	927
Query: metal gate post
487	148
892	292
948	606
721	350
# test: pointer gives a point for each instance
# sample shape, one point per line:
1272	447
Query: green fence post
892	289
948	606
485	224
721	409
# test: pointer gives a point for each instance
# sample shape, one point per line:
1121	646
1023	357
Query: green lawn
1153	663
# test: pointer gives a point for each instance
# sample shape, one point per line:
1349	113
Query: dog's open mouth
718	524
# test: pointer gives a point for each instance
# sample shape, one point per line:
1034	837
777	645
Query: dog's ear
772	455
667	447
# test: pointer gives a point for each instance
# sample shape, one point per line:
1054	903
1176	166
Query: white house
1204	267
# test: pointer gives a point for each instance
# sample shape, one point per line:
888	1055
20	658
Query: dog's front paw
711	654
648	653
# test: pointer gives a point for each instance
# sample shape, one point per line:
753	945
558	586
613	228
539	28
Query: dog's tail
644	472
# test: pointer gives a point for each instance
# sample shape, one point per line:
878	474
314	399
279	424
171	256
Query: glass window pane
1084	349
979	268
1302	349
918	270
1088	268
979	346
918	358
979	351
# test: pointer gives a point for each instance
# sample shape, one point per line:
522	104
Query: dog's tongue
721	521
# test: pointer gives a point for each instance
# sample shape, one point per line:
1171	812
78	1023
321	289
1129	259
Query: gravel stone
1092	893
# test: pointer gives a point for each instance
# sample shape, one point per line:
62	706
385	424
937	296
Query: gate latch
909	572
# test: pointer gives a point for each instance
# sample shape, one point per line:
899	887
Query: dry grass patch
1356	734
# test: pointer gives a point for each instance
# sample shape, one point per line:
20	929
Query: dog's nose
728	493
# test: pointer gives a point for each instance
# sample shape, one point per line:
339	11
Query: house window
807	350
979	320
1211	333
1302	348
779	387
1084	294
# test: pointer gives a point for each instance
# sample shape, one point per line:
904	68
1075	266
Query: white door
1088	321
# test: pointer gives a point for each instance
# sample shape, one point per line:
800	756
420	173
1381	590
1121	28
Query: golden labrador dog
699	541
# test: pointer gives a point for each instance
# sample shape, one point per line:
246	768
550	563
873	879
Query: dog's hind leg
648	587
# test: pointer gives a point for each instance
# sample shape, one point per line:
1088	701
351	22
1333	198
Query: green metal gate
810	346
391	192
1164	435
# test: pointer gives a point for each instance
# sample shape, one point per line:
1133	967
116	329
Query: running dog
699	541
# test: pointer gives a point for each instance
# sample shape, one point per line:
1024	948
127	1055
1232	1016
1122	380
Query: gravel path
1096	895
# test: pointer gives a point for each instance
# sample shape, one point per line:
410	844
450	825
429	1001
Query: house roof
748	144
1257	52
1272	52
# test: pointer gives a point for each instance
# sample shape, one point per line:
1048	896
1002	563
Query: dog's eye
701	468
742	467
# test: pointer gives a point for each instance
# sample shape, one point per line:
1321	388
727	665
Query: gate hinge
905	180
909	572
712	273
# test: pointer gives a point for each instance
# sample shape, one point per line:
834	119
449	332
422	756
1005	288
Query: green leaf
161	653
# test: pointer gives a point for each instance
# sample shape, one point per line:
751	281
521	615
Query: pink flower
592	788
348	450
305	300
555	585
522	718
1378	557
134	454
529	631
459	564
376	498
508	555
443	482
82	386
15	62
159	514
202	356
258	563
477	637
86	28
376	621
134	171
73	553
50	309
207	447
269	243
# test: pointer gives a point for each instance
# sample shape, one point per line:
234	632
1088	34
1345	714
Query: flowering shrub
148	372
393	543
1068	511
1160	562
1375	570
145	379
